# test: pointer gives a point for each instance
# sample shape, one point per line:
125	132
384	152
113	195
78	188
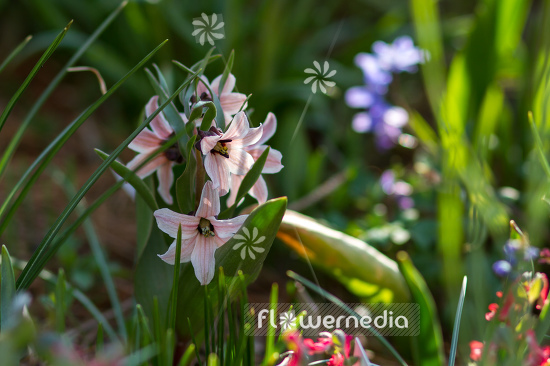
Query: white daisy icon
287	320
320	77
208	28
249	243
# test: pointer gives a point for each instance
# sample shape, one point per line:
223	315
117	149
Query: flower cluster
336	345
380	117
227	155
398	189
518	309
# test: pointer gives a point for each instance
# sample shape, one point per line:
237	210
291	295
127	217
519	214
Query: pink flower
322	345
476	350
224	152
147	142
272	164
201	234
492	311
231	103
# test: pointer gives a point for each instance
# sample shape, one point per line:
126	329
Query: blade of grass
539	145
270	340
14	53
16	139
99	339
187	356
97	252
36	263
47	155
60	310
330	297
45	56
456	328
7	288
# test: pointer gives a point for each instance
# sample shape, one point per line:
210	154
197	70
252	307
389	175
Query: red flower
476	350
321	346
492	311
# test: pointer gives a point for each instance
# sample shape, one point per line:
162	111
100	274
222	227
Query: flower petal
236	181
259	190
227	87
273	162
251	138
269	128
187	247
169	221
238	128
201	87
145	141
208	143
148	168
239	161
210	201
159	124
166	178
203	259
233	102
218	170
225	229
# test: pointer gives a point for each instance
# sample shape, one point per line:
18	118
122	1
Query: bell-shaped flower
147	142
201	234
230	101
272	164
225	153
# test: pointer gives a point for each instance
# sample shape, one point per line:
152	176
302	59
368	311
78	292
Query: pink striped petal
148	168
227	87
218	170
259	190
270	126
273	162
159	124
169	221
166	178
238	128
187	247
239	161
145	141
201	87
208	143
225	229
233	102
203	259
252	137
236	181
210	201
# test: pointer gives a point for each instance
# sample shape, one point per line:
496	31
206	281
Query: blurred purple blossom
399	56
380	117
502	268
399	189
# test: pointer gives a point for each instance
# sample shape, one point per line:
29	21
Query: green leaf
248	182
264	221
174	293
361	268
7	288
132	178
428	346
47	155
153	279
456	328
36	263
144	224
14	53
45	56
16	139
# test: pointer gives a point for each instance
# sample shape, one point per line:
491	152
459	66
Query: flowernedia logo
398	319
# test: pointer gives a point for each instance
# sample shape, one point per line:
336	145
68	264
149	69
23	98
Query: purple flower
397	188
531	253
502	268
375	76
399	56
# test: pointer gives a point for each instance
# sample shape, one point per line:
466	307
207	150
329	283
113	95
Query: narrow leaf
7	288
14	53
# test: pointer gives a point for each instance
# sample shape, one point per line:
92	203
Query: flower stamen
206	228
